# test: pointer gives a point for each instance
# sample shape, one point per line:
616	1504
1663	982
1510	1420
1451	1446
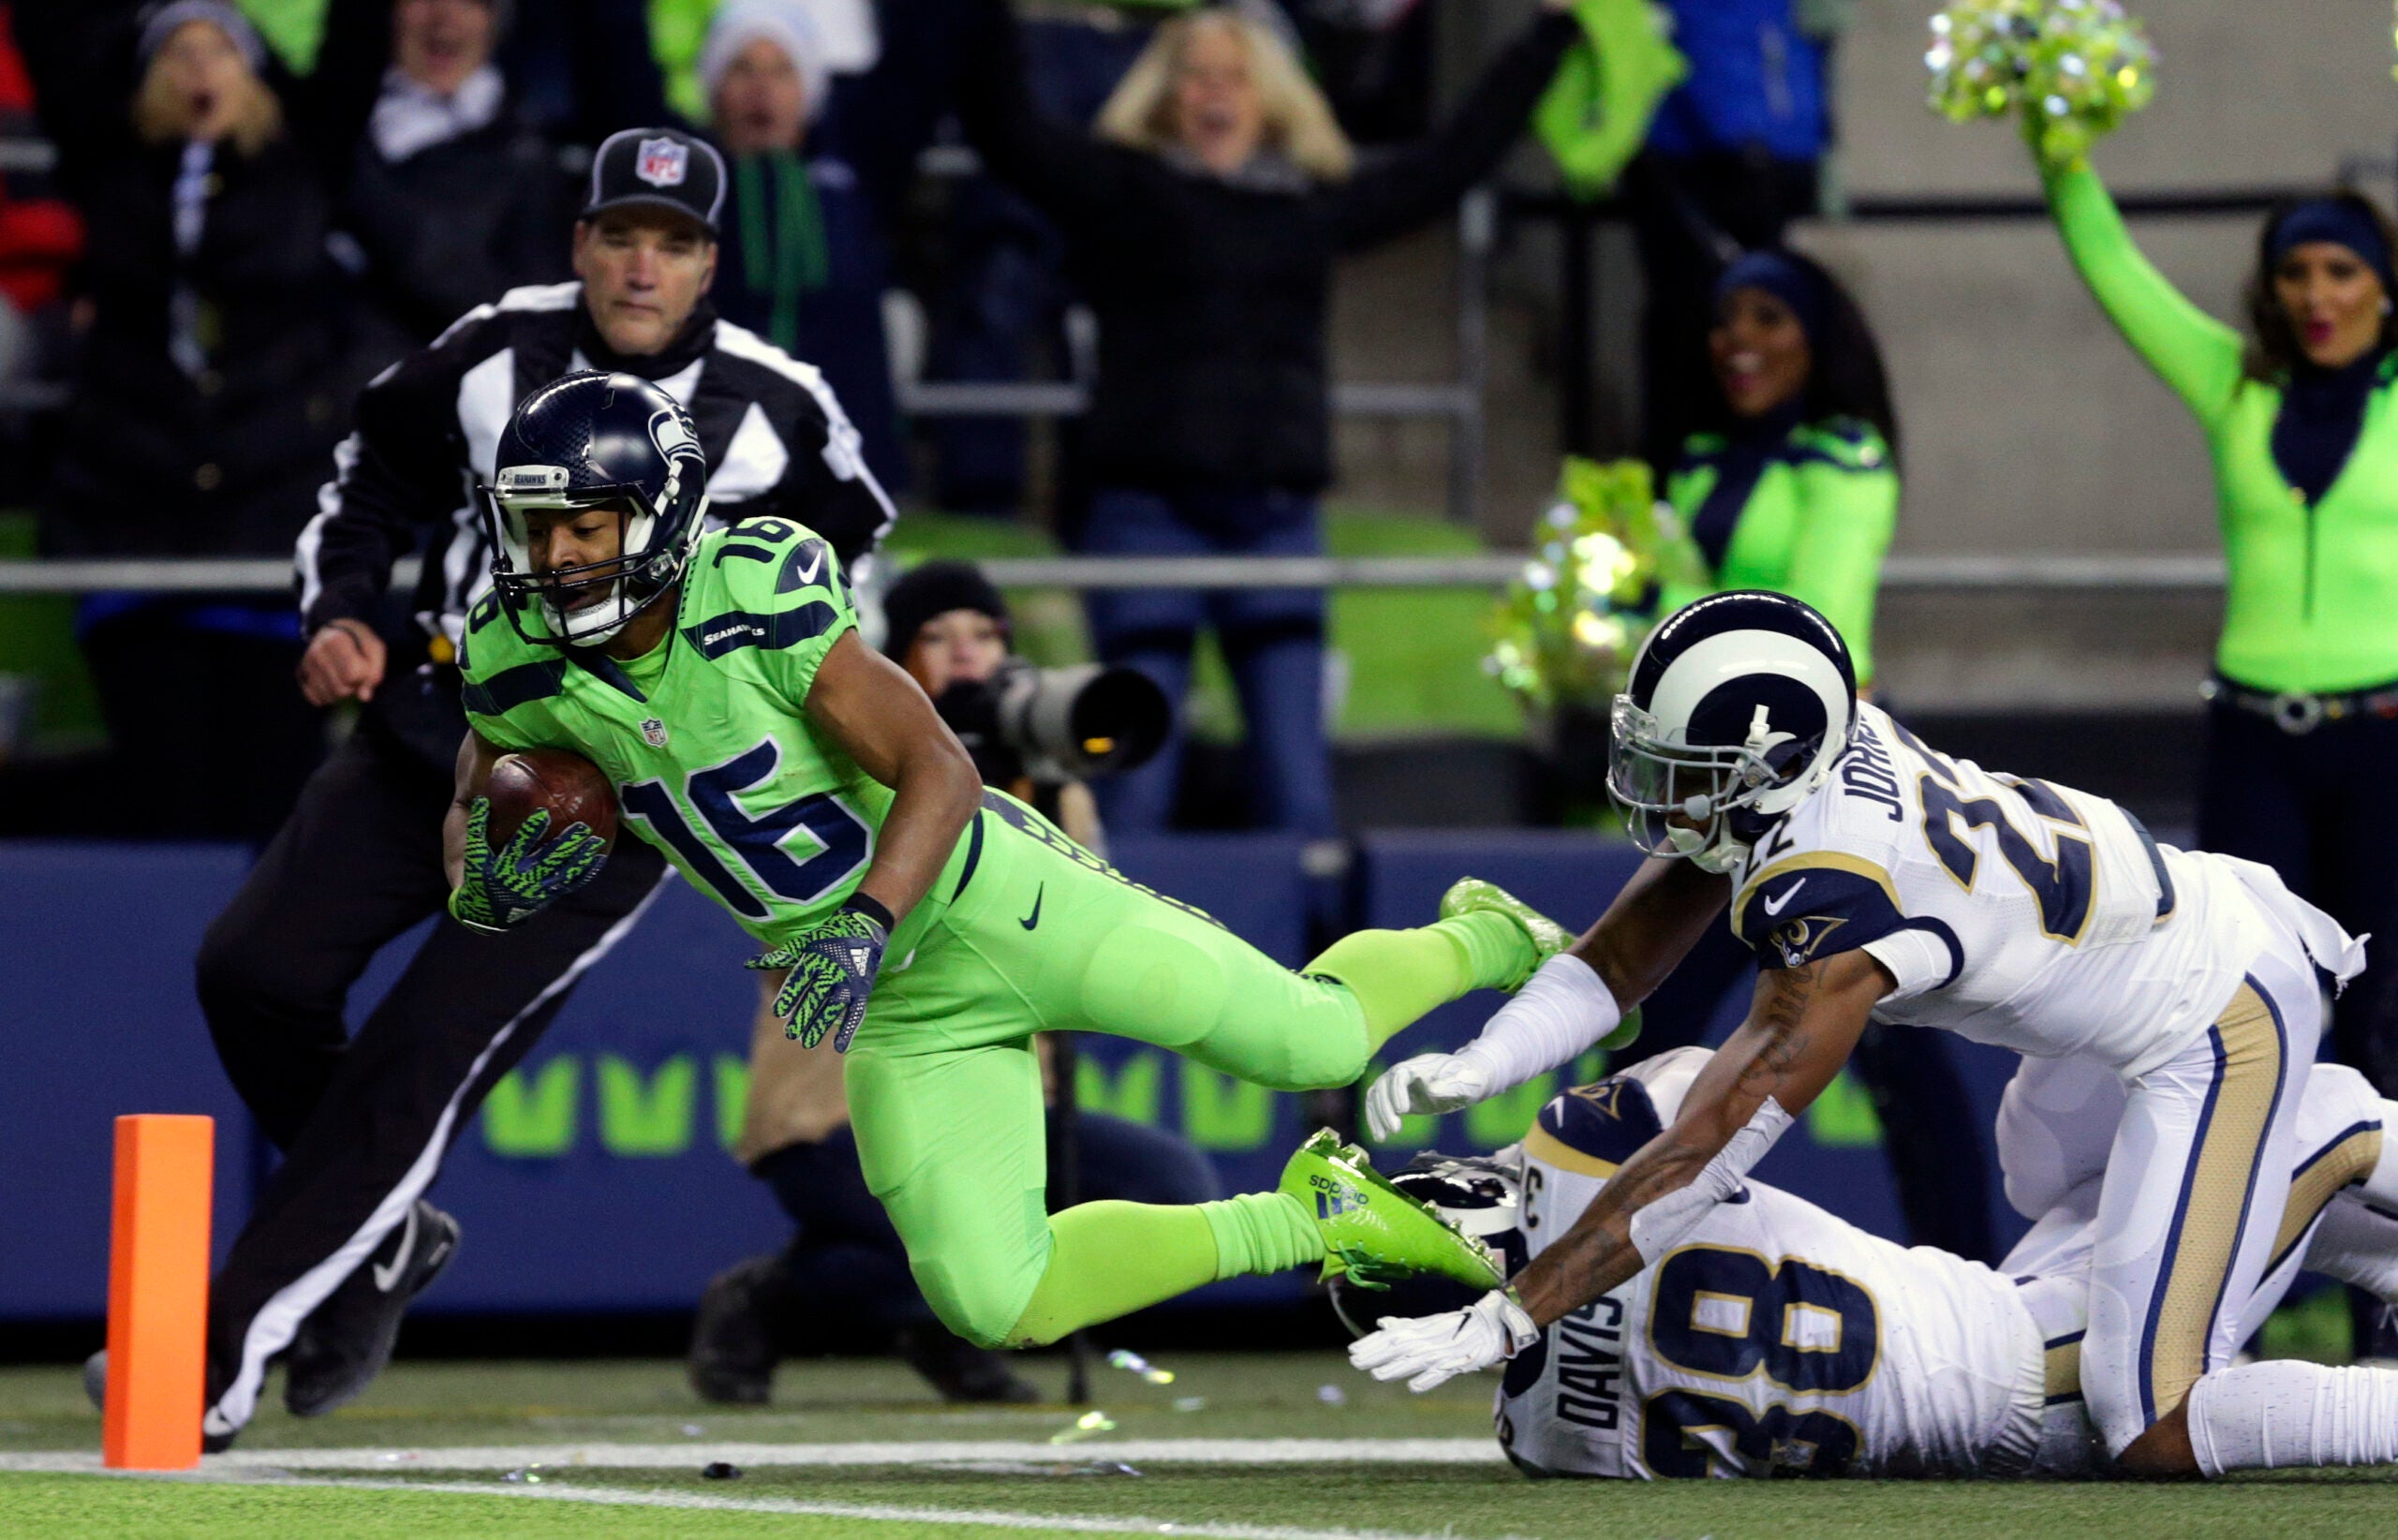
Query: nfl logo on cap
662	162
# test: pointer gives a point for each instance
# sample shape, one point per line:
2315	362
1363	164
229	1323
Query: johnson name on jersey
1777	1339
2010	910
712	759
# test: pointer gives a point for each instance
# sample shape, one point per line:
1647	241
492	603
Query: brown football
569	786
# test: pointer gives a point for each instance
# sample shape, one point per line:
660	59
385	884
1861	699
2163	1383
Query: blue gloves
833	965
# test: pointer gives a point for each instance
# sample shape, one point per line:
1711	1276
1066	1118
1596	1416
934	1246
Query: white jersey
1776	1338
2010	911
1780	1337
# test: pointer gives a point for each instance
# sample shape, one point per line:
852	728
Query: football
569	786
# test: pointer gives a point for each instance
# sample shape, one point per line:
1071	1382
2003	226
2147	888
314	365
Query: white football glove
1437	1348
1432	1082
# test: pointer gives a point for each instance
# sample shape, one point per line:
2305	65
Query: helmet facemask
632	581
1707	803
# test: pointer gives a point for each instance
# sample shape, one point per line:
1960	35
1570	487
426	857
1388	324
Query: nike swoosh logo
806	574
1775	906
1035	918
386	1277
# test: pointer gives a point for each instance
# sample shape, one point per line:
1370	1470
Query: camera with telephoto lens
1056	724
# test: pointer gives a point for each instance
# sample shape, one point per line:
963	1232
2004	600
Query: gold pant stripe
2226	1162
2351	1159
2063	1370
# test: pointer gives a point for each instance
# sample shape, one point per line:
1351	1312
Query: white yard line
888	1513
693	1455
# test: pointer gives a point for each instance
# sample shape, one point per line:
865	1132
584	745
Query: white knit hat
785	24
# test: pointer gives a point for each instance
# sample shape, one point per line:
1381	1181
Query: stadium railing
2155	573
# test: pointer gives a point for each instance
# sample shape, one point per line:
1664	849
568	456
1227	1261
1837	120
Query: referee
342	1236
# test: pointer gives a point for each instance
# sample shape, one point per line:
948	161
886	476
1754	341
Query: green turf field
442	1449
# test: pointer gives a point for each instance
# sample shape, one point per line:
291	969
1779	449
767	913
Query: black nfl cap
665	167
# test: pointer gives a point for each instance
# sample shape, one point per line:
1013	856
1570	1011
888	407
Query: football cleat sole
1374	1234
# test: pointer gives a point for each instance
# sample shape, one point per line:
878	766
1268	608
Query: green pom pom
1604	558
2072	70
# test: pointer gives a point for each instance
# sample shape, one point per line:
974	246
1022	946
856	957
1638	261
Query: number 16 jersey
2009	910
704	738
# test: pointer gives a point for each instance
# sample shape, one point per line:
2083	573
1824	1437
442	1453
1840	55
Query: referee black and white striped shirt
777	444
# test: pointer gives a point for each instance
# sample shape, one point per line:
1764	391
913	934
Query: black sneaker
732	1356
95	1385
347	1341
960	1370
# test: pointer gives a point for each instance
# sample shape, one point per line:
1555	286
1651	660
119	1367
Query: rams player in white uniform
1777	1337
1878	879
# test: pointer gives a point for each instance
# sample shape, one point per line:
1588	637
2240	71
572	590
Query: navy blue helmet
1737	707
589	441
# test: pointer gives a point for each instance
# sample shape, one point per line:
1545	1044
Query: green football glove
504	887
833	965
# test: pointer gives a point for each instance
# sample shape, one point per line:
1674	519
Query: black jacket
152	459
459	222
777	443
1211	297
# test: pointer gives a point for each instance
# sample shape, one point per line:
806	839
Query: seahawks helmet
1737	707
591	440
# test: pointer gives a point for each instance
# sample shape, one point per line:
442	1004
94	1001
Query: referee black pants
364	1121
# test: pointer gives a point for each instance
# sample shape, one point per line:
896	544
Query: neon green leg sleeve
1109	1259
1397	975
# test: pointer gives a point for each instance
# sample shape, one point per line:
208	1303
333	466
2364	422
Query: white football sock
2282	1413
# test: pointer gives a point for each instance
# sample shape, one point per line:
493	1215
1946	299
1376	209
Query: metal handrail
1961	572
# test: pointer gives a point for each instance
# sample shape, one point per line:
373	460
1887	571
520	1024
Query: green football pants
945	1097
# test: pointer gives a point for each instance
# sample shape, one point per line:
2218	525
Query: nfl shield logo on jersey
654	733
662	162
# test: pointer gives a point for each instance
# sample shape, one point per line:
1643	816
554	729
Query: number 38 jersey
2009	910
1777	1339
713	760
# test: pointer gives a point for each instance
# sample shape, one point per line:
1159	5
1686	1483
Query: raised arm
1424	181
1059	166
2189	349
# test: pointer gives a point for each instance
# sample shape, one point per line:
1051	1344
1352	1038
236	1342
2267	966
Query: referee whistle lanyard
793	261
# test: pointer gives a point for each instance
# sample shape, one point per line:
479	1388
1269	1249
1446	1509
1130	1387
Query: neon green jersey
712	759
2310	589
1812	517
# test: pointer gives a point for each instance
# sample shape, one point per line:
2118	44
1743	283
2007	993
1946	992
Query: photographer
948	629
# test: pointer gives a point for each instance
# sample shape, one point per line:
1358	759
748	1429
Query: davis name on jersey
712	759
2012	912
1777	1339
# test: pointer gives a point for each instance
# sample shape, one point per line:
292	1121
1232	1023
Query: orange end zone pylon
159	1292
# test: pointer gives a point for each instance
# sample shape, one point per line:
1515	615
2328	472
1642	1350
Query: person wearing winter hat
805	261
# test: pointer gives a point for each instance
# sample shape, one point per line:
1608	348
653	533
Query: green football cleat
1373	1233
1472	895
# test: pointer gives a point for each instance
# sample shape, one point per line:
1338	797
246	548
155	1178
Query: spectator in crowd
804	261
1205	215
2301	733
455	197
41	235
1791	483
1000	312
213	380
1791	480
1732	158
845	1266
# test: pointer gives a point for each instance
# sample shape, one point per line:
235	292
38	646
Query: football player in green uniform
930	926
